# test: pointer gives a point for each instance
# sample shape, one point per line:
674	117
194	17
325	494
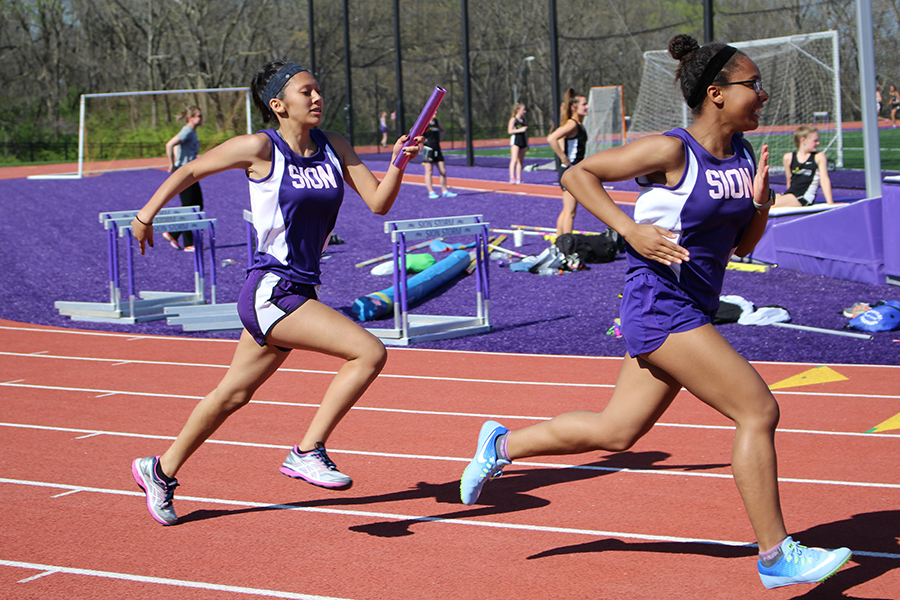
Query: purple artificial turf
55	249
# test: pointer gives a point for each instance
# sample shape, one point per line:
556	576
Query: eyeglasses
756	84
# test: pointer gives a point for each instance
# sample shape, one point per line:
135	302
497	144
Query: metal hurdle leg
213	316
152	305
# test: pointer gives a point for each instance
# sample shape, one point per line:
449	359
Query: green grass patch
853	149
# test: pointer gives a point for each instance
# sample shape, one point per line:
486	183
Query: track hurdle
135	307
409	328
213	317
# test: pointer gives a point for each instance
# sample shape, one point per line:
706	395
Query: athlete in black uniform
568	142
518	142
433	156
805	169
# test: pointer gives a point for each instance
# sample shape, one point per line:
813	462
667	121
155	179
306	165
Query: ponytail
566	108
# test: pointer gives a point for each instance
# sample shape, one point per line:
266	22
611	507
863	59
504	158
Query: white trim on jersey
662	205
810	194
266	210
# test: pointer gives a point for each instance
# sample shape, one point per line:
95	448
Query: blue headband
710	72
279	79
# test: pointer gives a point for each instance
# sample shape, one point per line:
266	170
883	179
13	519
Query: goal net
605	121
801	73
135	126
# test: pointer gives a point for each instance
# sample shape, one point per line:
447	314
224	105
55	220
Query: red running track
662	521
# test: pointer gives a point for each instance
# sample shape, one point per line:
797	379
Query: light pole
521	71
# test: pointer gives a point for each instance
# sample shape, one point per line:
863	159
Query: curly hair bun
682	45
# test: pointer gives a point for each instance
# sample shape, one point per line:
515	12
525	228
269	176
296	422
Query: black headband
710	72
279	79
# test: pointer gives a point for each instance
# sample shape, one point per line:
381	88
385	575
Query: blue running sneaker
799	564
486	464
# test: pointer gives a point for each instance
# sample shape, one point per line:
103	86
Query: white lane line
132	337
518	463
125	336
424	519
53	569
118	361
100	393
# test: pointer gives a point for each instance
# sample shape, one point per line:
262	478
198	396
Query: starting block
410	328
135	307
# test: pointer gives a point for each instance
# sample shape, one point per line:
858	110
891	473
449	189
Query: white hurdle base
128	313
427	328
210	317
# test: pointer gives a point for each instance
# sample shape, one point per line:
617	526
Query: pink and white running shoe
315	467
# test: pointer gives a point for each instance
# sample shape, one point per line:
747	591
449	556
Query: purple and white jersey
294	209
709	210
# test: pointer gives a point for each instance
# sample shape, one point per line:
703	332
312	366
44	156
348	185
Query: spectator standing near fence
433	157
517	128
383	128
569	141
894	100
180	150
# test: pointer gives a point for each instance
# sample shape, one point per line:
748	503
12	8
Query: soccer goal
801	73
136	125
605	121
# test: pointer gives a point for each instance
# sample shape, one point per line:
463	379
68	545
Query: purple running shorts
652	308
266	298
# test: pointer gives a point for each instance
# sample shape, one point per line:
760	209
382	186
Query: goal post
141	109
605	120
801	74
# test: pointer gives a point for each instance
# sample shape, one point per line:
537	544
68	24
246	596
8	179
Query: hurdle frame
410	328
213	317
150	306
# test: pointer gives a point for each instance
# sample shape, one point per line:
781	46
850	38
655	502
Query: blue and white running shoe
486	464
799	564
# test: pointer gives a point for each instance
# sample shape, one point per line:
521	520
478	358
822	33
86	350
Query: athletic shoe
449	194
188	248
856	310
159	493
799	564
172	241
314	467
433	195
486	464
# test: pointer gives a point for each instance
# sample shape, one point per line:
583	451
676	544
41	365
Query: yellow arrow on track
892	423
820	374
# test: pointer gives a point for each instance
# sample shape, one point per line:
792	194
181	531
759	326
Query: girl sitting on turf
805	169
703	199
296	175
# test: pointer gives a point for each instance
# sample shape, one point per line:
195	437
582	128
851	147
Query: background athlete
805	170
569	142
